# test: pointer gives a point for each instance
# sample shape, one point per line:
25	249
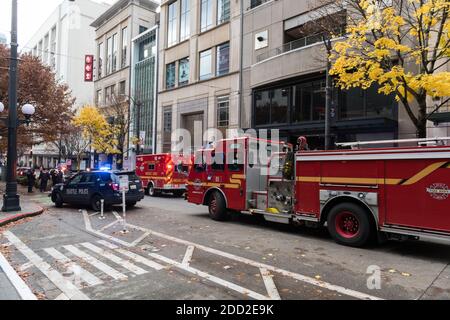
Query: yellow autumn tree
403	46
96	130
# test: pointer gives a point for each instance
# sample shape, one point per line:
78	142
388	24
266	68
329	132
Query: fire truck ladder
420	142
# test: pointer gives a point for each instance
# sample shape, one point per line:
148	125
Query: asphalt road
172	250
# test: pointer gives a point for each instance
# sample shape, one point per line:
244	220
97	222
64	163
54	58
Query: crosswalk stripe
108	255
96	263
70	290
133	256
87	277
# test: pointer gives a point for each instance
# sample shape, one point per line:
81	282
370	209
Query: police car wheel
217	207
57	199
350	225
96	203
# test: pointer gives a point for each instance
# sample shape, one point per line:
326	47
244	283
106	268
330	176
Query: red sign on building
89	68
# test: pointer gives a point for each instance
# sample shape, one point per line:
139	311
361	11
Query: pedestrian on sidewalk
31	176
44	177
54	175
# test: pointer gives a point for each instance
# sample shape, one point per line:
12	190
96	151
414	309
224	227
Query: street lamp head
28	110
2	107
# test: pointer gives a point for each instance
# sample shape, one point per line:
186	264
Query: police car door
71	189
86	188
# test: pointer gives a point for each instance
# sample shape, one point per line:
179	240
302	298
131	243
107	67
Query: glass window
114	53
319	101
101	53
185	21
223	112
172	24
122	88
279	106
262	108
75	180
223	11
303	101
99	97
206	64
168	120
109	55
353	104
223	59
142	29
206	15
124	47
183	72
170	75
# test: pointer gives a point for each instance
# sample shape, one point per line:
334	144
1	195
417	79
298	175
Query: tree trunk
422	118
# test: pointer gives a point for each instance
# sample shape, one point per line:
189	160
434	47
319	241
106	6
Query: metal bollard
102	209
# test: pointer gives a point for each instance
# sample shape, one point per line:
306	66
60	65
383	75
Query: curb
21	216
16	281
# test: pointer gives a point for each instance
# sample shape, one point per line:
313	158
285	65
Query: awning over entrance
440	117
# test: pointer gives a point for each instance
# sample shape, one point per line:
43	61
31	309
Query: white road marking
85	275
286	273
270	284
224	283
22	289
133	256
109	225
138	240
54	276
108	255
96	263
62	296
25	266
296	276
100	234
188	256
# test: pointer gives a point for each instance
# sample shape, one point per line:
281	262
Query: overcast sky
32	14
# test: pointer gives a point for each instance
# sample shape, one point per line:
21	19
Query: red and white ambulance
359	194
163	173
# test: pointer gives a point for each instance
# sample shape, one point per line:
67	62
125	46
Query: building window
185	21
167	129
223	11
183	72
223	59
206	15
99	97
115	52
109	50
124	47
122	89
172	24
223	112
53	49
100	54
206	64
110	93
168	120
272	106
170	75
142	29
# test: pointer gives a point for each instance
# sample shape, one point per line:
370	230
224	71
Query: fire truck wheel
152	191
217	207
349	225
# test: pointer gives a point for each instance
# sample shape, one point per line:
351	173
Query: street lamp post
11	200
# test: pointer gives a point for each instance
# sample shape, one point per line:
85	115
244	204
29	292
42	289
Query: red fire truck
359	194
163	173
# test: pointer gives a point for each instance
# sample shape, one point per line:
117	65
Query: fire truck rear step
278	218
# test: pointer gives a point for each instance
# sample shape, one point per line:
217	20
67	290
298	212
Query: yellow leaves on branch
384	39
96	129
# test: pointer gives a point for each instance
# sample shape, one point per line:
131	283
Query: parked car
89	188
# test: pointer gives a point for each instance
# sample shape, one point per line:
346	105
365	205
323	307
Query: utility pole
329	94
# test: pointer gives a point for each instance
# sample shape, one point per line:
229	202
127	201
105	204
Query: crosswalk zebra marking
67	287
85	275
96	263
133	256
127	265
